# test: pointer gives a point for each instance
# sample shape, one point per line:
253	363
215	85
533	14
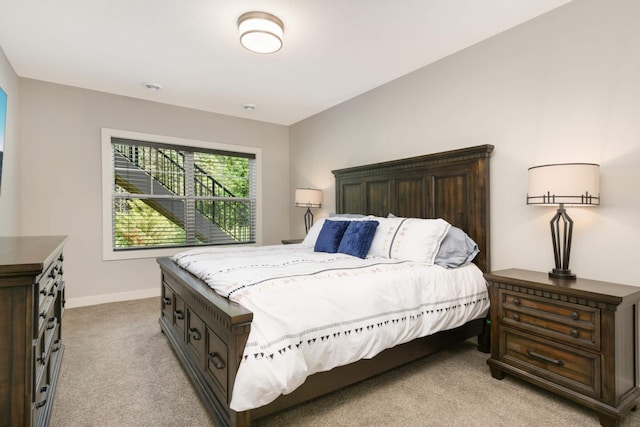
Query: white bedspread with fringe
314	311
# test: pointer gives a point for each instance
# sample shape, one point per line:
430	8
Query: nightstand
576	338
291	241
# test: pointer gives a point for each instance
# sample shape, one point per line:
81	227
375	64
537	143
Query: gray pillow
456	249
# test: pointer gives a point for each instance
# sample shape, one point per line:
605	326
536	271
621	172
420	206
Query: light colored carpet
118	370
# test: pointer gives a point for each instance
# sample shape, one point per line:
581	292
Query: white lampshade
564	183
260	32
308	198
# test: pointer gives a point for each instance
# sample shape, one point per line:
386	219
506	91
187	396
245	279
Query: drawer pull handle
516	301
167	301
179	315
574	333
57	345
43	401
43	314
516	317
42	358
574	315
61	258
217	360
535	355
51	323
195	335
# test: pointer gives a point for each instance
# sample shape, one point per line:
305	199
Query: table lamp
570	184
308	198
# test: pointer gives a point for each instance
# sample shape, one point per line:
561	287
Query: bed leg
484	339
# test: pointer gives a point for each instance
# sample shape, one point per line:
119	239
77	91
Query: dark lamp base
559	273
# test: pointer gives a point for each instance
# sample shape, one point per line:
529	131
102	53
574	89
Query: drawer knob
195	335
179	315
574	315
167	301
51	323
516	317
42	358
535	355
516	301
216	360
574	333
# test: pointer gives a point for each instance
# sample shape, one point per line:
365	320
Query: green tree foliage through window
173	196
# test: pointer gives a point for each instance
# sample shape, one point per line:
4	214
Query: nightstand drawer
571	323
572	368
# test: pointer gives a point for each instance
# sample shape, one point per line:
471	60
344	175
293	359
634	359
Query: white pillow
313	233
409	239
385	235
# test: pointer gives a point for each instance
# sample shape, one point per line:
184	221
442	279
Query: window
165	194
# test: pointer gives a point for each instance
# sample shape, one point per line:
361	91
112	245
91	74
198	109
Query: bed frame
208	332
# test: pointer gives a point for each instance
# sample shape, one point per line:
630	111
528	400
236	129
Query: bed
209	332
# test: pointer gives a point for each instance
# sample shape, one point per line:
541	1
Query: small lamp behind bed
573	184
308	198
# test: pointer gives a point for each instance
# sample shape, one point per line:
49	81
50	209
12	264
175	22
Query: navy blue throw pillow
357	238
330	236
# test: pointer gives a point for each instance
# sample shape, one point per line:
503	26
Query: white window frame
108	254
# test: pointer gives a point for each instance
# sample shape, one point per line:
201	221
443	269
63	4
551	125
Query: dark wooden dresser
31	309
576	338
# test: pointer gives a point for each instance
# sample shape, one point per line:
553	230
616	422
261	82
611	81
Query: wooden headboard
453	185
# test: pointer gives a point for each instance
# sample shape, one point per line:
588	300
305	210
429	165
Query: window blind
166	196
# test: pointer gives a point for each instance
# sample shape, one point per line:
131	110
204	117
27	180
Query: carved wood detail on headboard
453	185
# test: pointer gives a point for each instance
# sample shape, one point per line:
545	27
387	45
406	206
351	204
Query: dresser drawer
217	356
39	360
571	323
46	310
570	367
56	346
42	396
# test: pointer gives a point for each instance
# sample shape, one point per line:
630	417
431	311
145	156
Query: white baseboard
102	299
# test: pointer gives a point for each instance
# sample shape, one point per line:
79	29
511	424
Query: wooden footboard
208	334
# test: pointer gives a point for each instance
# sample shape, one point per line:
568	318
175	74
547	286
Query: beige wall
10	191
61	175
561	88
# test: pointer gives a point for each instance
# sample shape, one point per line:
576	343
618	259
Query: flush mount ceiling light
260	32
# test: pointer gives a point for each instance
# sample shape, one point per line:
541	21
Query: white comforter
315	311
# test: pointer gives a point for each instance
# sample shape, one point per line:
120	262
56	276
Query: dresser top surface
27	254
579	287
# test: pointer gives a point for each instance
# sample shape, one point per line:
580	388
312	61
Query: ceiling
333	49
